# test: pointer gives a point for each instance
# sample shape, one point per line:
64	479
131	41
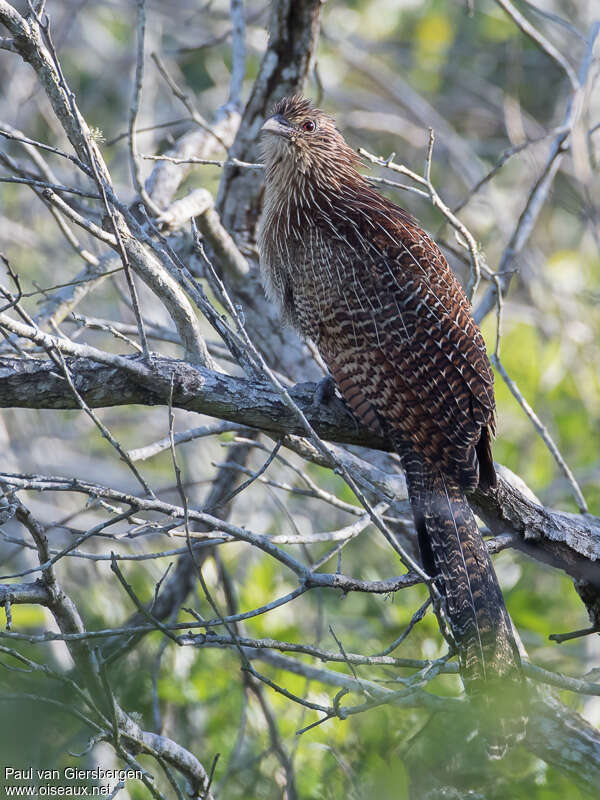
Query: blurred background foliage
387	69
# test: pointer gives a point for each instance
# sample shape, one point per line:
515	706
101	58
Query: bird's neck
298	195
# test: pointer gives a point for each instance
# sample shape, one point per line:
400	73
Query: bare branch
567	540
537	197
293	33
534	34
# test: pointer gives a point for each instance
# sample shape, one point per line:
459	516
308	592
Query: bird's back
377	296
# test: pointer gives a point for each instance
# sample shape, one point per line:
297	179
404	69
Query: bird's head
300	139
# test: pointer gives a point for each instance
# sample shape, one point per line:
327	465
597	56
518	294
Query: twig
215	429
194	114
389	163
254	476
416	617
566	637
535	35
238	51
139	605
134	109
45	185
537	196
232	162
106	434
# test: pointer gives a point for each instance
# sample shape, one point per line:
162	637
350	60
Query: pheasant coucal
356	274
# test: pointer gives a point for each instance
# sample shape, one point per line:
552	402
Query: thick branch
293	34
560	736
24	593
568	541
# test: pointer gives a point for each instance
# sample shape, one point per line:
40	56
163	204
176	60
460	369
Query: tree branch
568	541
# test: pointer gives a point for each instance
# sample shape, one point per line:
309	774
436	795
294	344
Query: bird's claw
325	394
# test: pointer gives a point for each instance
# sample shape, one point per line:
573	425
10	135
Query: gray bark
568	541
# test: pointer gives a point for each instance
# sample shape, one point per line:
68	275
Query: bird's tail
453	552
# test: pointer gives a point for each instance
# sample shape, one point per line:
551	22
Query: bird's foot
325	391
326	395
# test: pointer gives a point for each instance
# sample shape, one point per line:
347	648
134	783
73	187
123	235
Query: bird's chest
319	282
304	274
328	285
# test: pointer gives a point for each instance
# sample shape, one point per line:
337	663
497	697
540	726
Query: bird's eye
308	126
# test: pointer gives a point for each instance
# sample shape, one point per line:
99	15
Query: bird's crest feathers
301	140
296	107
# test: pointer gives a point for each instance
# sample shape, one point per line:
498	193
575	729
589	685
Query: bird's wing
404	348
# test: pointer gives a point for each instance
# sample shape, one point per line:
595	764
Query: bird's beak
278	125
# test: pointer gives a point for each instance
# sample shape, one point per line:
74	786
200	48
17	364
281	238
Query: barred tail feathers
453	551
474	603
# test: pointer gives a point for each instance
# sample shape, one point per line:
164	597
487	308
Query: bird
356	274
